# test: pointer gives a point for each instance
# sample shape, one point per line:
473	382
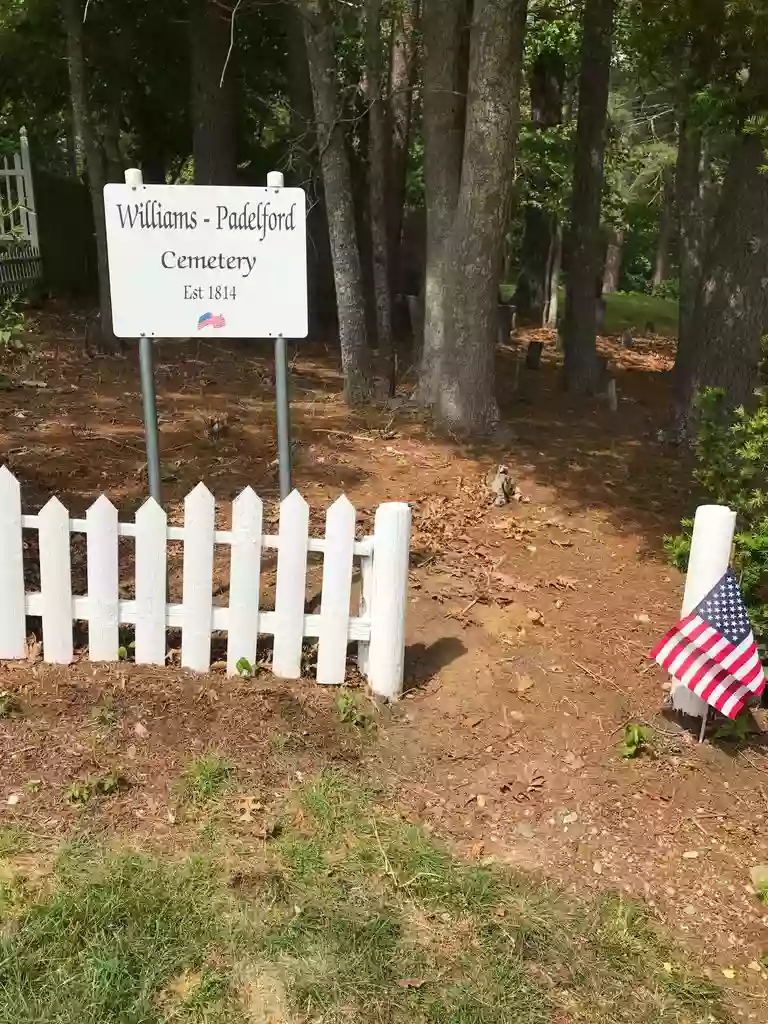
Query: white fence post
708	562
244	574
25	168
55	583
290	587
103	589
337	584
12	614
391	557
151	583
199	518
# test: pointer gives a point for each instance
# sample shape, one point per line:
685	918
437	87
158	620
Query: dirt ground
528	628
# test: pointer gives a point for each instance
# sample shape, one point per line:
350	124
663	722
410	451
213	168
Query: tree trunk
303	163
585	255
731	309
613	255
334	162
443	23
552	278
466	399
666	222
213	100
72	12
402	78
691	229
378	151
547	81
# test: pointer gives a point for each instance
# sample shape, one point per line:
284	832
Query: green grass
333	918
205	778
629	309
635	309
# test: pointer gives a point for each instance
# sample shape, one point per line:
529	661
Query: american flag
211	320
712	650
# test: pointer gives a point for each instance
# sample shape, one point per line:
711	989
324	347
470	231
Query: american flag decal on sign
211	320
712	650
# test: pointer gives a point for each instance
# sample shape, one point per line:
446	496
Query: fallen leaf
410	982
573	761
559	604
474	721
729	973
524	683
13	799
481	800
561	543
141	730
535	616
246	805
563	582
571	819
643	617
690	855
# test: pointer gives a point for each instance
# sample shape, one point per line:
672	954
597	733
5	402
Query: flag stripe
712	650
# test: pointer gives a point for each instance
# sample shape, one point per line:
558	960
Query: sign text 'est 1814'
208	259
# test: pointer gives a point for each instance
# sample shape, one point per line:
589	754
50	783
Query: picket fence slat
244	573
364	611
199	525
290	586
151	582
56	583
103	586
12	616
378	628
337	583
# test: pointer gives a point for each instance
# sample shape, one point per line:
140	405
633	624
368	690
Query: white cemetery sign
208	260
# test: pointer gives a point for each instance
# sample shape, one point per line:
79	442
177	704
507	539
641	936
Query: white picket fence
20	262
379	628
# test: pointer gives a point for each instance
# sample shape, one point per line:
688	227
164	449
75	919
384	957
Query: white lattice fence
20	262
379	628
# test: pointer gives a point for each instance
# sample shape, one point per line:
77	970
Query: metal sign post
135	180
275	179
222	260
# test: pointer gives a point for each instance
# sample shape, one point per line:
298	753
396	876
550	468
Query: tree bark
379	152
666	223
303	164
547	81
731	308
443	22
585	255
466	399
613	255
402	78
72	12
337	185
213	100
691	229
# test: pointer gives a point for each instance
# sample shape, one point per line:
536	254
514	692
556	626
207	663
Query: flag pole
708	562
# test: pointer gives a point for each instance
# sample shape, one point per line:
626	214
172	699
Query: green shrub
12	325
669	289
732	456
